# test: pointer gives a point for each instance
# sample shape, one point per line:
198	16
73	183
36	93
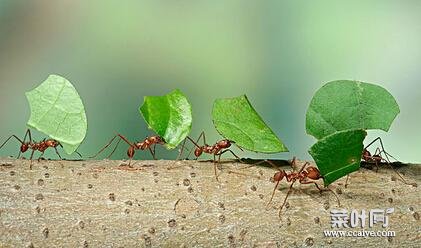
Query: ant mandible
216	149
140	145
41	146
306	175
377	159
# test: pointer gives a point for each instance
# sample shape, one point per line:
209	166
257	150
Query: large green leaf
343	105
338	154
170	116
236	120
58	111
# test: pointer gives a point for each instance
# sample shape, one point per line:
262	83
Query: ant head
156	139
313	173
24	147
198	151
224	143
52	143
279	176
130	151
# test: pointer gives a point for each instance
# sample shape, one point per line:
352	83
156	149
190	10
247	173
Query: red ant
377	159
306	175
217	149
35	146
143	145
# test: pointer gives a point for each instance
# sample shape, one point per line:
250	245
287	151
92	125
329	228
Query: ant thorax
292	176
142	145
147	142
209	149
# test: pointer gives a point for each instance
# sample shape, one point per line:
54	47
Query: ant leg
228	150
381	144
372	142
317	186
273	193
346	182
286	197
388	154
215	166
336	196
58	154
28	132
202	134
385	153
78	153
237	157
152	152
109	143
115	148
105	147
30	159
181	149
180	152
302	168
397	173
219	159
16	137
154	149
326	188
12	136
377	165
260	162
39	158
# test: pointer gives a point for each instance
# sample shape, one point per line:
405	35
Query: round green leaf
338	154
58	111
343	105
170	116
236	120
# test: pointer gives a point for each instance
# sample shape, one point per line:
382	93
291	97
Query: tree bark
180	204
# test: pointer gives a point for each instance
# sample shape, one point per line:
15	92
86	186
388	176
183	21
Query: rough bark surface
180	204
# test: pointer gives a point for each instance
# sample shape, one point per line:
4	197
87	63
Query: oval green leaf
169	116
237	120
343	105
338	154
58	111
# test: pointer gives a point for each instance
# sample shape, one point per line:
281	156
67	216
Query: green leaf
236	120
343	105
58	111
338	154
170	116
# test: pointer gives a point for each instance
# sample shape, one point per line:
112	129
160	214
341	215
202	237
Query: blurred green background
277	52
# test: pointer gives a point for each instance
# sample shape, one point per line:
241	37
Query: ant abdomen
197	152
24	148
279	176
